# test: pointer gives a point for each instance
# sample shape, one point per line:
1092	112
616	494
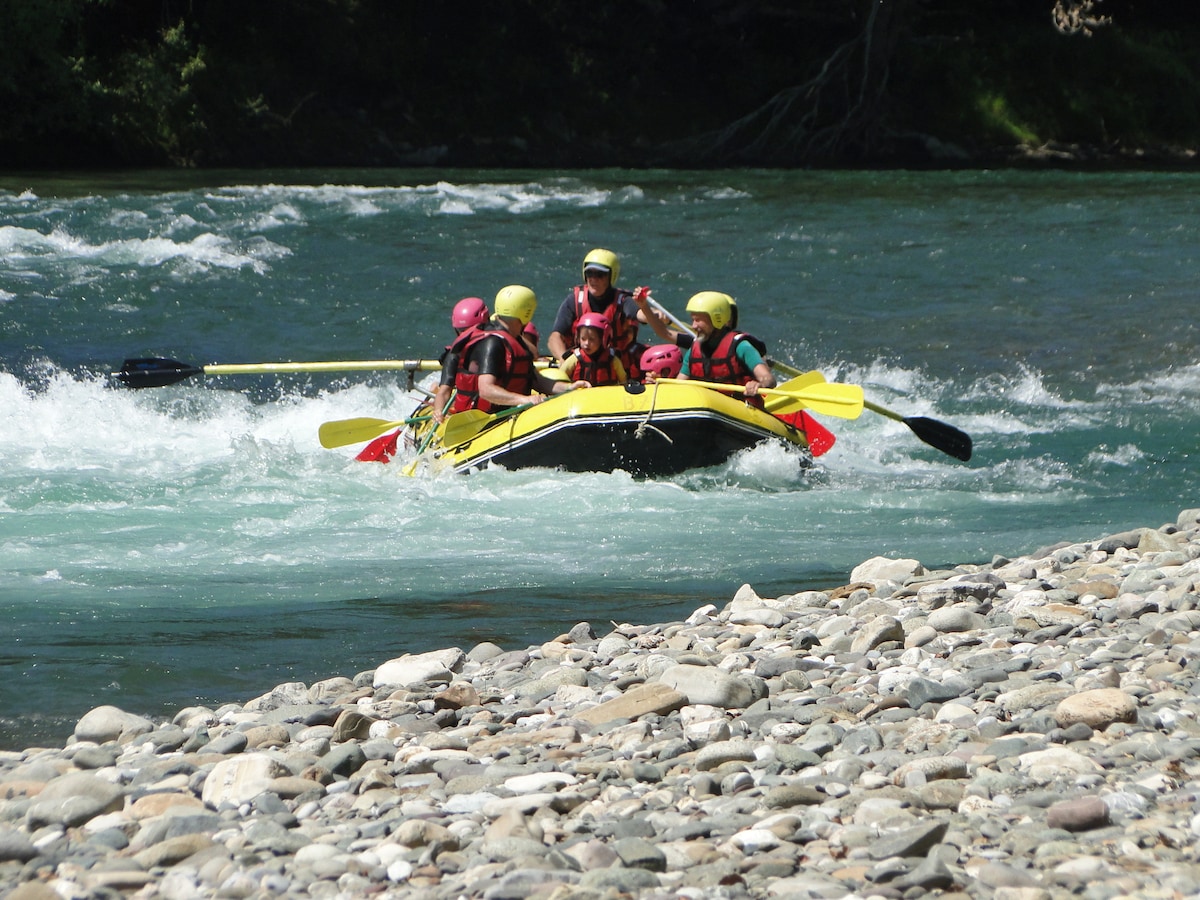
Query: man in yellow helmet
721	353
496	367
599	294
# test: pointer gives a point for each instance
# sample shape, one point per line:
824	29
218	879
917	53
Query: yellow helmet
515	302
603	259
718	306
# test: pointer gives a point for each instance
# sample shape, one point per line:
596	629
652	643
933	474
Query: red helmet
664	360
592	320
468	311
532	331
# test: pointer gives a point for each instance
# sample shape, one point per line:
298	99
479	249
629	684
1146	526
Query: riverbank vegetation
102	83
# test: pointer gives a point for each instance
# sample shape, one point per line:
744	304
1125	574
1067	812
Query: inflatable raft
646	430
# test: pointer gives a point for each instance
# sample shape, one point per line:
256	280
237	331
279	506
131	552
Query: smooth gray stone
95	757
345	759
623	879
227	744
636	853
915	841
931	874
15	846
523	883
74	799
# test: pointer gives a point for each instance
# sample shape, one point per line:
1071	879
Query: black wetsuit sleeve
488	357
449	368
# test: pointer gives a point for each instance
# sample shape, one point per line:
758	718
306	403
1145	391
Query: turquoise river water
195	544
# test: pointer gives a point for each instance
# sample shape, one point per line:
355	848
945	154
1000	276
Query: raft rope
645	423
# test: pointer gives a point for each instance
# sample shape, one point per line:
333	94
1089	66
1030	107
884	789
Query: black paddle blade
154	372
945	437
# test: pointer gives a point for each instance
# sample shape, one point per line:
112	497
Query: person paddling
496	367
721	353
468	313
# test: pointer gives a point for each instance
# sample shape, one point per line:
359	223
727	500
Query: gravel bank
1021	730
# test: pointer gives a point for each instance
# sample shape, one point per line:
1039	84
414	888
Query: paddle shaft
363	365
940	435
843	400
157	371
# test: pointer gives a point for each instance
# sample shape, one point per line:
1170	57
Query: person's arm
550	386
757	366
491	391
648	315
687	363
489	360
445	386
563	320
441	397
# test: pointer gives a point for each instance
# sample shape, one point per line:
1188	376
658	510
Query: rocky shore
1024	729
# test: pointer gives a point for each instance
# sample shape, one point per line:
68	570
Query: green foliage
148	93
544	82
996	119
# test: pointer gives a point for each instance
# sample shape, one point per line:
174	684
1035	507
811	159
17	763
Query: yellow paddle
158	372
785	406
355	431
463	426
935	433
842	400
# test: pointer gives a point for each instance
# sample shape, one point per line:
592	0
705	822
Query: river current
195	544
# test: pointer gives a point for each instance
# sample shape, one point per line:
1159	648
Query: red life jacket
596	371
624	329
518	367
631	359
723	366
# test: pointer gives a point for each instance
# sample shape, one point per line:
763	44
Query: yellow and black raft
647	430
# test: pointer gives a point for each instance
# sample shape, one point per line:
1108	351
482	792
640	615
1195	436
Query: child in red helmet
593	360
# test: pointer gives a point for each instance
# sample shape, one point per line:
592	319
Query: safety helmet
718	306
593	320
531	331
603	259
515	302
665	360
467	312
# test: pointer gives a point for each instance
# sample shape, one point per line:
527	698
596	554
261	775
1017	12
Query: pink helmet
532	332
664	360
592	320
468	312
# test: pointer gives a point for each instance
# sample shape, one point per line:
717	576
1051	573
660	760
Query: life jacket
518	366
631	359
723	365
624	329
596	371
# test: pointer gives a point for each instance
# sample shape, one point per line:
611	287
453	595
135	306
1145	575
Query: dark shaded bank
208	83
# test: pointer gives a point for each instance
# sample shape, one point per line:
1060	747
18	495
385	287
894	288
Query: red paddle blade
382	449
820	438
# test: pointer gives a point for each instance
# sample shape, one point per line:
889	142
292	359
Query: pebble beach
1023	729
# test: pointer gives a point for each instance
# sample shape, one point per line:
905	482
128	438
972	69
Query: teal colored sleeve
749	356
